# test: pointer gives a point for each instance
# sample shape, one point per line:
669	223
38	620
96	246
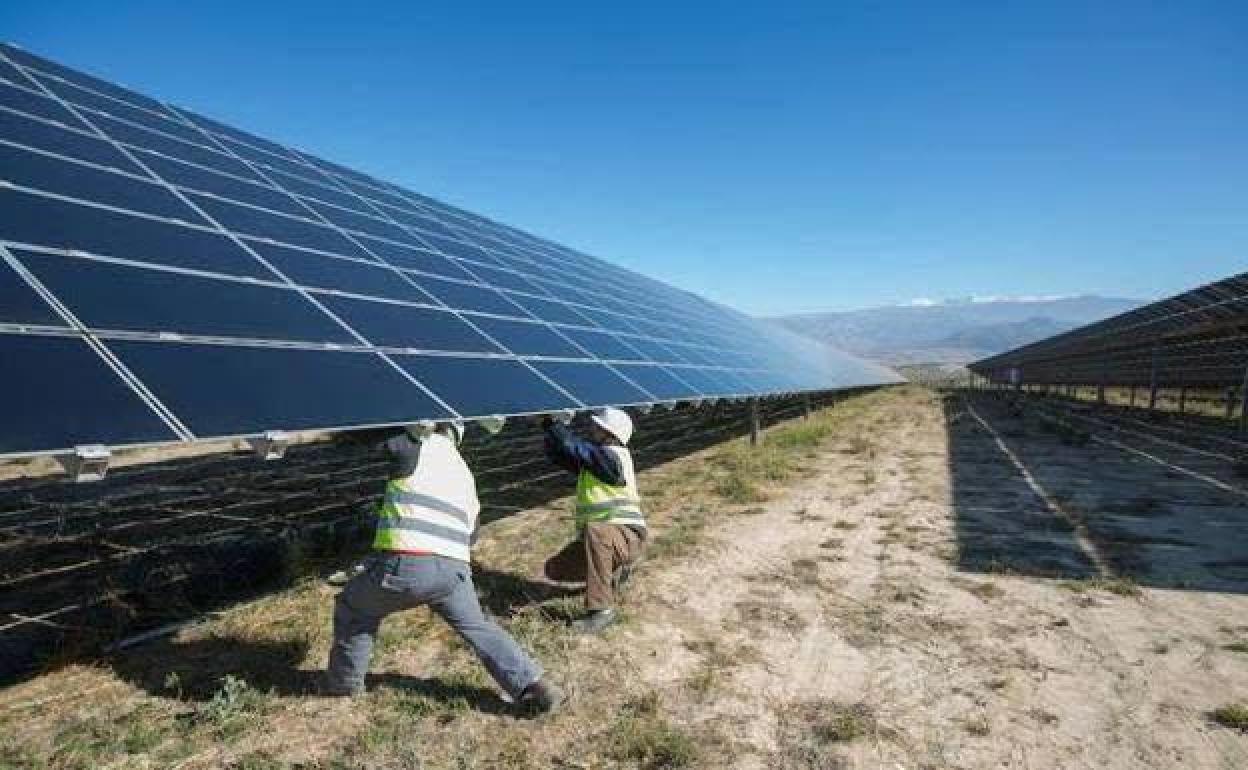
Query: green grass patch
643	735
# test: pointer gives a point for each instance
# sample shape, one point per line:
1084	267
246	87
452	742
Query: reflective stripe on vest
432	510
598	501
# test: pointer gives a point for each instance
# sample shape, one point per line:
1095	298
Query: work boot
594	622
540	698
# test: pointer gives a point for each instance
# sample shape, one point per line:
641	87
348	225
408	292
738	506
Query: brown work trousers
593	558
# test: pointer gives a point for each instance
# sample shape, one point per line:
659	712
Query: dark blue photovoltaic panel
29	169
659	382
174	148
35	103
350	220
40	64
283	278
603	345
472	385
263	224
550	310
82	98
19	304
403	326
321	192
13	74
526	338
58	224
312	270
109	296
468	296
414	259
62	394
592	383
49	138
707	381
193	178
226	390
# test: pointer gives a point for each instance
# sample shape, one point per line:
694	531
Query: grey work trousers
396	582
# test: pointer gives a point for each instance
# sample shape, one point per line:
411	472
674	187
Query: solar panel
165	277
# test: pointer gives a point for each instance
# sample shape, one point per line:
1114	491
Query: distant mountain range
953	331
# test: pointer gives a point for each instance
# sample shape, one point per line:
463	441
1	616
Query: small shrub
1234	715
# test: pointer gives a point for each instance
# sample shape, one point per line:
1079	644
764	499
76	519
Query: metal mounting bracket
88	462
272	445
493	424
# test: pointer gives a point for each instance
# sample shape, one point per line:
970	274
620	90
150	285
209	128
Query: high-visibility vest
598	501
432	510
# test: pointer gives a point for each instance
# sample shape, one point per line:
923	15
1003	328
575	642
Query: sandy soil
847	592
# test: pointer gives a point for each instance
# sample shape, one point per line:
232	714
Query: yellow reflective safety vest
434	509
598	501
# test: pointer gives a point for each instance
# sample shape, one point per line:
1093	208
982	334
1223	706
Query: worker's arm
570	452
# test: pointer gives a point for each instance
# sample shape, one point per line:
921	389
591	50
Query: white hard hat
614	421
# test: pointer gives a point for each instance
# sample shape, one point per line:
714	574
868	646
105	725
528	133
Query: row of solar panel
169	277
34	218
245	185
64	394
115	297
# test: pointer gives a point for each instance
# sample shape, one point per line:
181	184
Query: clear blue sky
773	156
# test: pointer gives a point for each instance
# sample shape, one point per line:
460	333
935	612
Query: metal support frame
272	445
1152	383
1243	406
1182	399
1132	404
756	427
88	462
1230	402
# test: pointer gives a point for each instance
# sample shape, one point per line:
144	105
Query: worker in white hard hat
611	529
421	557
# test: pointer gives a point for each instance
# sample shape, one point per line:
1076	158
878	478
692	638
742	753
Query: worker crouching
611	529
421	557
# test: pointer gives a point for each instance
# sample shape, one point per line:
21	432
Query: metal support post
755	422
805	406
1243	406
1230	403
1152	383
1182	399
1132	396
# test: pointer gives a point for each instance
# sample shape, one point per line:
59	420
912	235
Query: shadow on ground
85	564
1094	510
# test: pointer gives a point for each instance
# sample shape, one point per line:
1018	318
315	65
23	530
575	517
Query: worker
425	528
611	530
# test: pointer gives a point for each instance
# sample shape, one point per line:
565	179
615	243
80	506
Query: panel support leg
755	422
1182	399
1243	406
805	406
1152	384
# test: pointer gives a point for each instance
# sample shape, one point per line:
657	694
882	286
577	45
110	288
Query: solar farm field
904	579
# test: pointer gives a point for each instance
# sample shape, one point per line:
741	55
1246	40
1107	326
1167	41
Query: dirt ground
915	582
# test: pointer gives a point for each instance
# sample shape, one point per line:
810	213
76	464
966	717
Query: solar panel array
167	277
1198	338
